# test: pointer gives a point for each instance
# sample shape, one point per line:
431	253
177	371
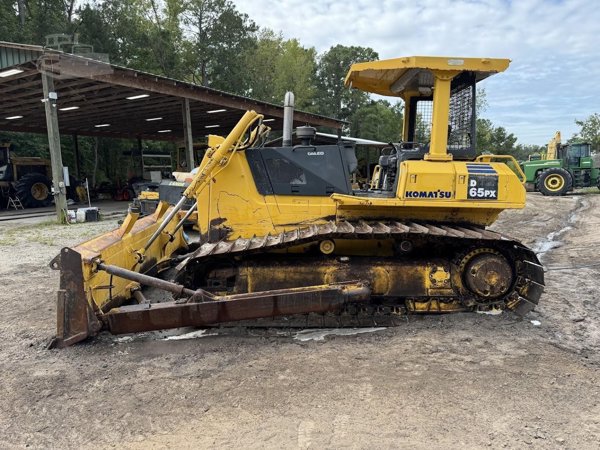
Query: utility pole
59	189
187	135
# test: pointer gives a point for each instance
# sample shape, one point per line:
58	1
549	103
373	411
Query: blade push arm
216	159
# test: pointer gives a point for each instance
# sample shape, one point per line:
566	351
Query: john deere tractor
27	178
561	169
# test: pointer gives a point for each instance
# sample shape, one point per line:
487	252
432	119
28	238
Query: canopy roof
100	99
394	77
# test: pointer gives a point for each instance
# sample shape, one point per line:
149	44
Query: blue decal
481	169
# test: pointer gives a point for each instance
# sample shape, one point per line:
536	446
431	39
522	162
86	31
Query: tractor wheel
554	181
33	189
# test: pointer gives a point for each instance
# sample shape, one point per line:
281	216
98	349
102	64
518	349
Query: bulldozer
26	177
282	233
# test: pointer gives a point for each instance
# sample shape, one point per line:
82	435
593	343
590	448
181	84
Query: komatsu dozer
283	233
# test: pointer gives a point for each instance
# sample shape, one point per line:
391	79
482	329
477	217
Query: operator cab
574	153
322	170
439	126
439	96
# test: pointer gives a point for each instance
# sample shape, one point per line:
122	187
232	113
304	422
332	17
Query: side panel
301	170
474	192
442	191
231	205
464	184
532	168
269	189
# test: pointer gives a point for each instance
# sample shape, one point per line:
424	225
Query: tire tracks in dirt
569	309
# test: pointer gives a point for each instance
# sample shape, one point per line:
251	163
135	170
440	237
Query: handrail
501	158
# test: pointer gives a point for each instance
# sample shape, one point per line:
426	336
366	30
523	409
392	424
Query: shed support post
187	135
77	158
140	152
60	191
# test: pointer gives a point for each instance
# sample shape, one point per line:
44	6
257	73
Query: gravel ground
454	381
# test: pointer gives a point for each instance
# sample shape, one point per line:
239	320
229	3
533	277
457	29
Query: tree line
212	43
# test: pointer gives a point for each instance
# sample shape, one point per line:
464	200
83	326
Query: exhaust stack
288	118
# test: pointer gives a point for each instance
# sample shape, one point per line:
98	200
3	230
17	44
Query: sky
554	45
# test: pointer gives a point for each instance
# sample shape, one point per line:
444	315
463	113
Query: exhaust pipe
288	118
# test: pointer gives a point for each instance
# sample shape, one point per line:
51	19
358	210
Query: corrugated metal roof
15	54
92	93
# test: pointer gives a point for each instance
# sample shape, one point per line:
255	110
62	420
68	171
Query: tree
521	151
261	62
275	66
590	131
481	103
494	139
117	27
162	27
295	71
9	18
334	99
217	34
379	120
31	21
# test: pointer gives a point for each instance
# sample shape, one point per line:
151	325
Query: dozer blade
77	321
256	305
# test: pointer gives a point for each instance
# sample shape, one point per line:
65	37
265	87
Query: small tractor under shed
25	177
561	169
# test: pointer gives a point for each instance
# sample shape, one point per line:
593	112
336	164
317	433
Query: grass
588	190
41	239
48	232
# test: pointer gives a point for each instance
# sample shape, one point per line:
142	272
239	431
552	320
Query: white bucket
81	215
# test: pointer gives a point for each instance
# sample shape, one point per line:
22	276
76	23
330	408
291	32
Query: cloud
553	45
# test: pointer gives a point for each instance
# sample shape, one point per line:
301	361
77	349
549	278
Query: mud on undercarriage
466	268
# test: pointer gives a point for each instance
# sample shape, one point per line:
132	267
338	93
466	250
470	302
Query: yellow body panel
148	195
232	207
118	247
553	146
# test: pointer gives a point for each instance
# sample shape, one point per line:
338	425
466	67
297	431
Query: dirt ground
455	381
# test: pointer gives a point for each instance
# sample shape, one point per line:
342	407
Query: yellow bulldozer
283	233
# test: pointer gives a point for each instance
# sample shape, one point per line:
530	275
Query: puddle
131	338
320	334
491	312
163	335
192	335
552	240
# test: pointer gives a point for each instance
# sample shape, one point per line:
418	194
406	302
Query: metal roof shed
39	86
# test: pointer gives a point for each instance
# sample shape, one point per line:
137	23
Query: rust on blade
75	318
159	316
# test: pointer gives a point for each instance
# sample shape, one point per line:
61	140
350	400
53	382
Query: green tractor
27	178
561	169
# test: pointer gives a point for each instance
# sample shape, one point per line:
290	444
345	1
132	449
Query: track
449	245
